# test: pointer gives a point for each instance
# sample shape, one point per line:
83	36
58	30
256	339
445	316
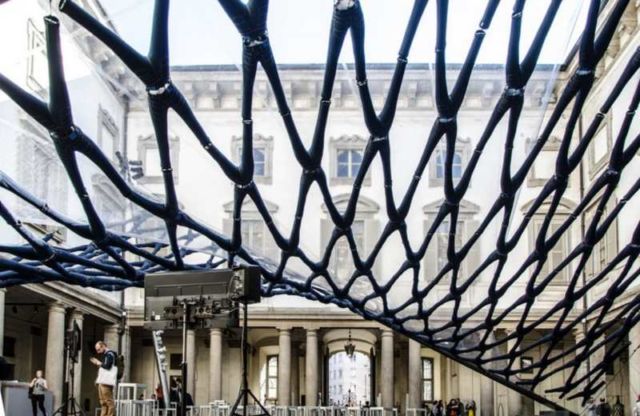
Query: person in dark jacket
604	409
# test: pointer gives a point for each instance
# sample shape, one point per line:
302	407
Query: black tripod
70	407
245	391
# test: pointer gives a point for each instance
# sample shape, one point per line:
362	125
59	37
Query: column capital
311	332
57	307
216	331
387	332
284	327
77	315
284	331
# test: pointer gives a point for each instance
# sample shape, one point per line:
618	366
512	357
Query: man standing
107	378
636	407
604	409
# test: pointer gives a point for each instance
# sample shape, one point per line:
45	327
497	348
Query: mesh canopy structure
114	261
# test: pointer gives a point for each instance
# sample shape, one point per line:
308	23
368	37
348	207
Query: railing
219	409
142	408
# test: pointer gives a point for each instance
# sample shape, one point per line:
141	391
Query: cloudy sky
201	33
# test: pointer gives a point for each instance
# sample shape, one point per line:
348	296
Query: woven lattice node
114	261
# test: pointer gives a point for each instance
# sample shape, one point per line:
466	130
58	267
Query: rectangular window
253	234
259	161
607	248
108	139
427	379
442	241
557	253
37	70
456	166
174	361
272	377
348	163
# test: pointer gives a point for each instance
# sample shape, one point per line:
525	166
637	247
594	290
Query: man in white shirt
636	407
107	378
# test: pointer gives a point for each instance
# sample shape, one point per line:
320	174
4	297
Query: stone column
595	359
578	336
295	376
634	363
54	369
190	382
487	396
415	374
514	400
110	337
126	352
386	387
284	368
2	296
311	365
215	364
78	317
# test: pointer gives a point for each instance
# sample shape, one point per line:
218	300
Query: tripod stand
70	407
245	391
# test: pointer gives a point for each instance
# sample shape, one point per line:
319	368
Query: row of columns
54	362
285	369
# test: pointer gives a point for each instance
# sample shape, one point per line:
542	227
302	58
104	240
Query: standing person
38	386
160	396
636	407
604	409
438	409
471	409
590	408
107	378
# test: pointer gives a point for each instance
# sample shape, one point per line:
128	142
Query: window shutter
611	240
430	258
472	260
588	267
326	228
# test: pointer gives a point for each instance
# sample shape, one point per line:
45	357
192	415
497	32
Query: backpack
120	366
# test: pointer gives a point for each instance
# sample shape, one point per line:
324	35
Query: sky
201	33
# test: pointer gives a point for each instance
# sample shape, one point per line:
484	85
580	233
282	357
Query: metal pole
183	402
245	363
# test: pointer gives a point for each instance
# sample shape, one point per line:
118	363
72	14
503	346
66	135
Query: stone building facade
292	340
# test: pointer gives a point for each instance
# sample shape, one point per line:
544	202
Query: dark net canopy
113	261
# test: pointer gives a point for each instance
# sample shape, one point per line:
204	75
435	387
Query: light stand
245	391
69	407
183	365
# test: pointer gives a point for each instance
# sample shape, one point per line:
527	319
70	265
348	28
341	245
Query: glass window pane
456	170
440	164
343	156
258	154
354	169
426	369
427	391
343	170
258	169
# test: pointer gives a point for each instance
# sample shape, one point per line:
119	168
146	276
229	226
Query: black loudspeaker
74	342
245	284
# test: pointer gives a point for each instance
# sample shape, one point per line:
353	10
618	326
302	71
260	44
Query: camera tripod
69	407
245	391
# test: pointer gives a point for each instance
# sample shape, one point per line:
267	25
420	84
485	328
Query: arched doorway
349	379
